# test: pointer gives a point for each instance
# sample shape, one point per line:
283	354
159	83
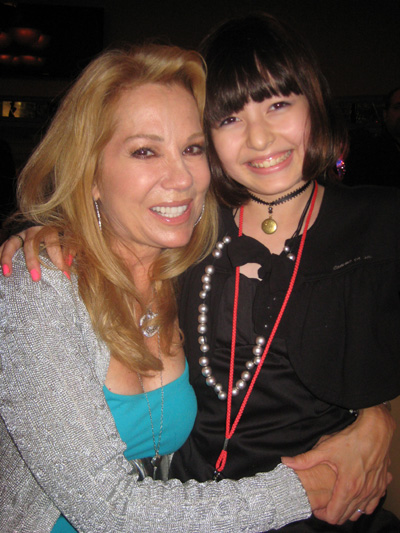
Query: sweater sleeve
53	406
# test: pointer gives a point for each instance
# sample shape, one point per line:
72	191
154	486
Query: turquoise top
131	415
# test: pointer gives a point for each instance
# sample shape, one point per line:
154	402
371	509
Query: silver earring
96	206
201	216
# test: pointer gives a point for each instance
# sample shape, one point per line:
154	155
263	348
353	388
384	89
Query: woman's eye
194	149
227	121
143	153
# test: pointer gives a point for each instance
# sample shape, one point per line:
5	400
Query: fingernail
67	274
34	274
6	270
69	259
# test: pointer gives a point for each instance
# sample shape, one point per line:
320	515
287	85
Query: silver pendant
148	331
155	461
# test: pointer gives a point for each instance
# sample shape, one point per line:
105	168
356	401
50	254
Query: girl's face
262	146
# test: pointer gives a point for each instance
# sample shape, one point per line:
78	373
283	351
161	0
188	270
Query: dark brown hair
256	57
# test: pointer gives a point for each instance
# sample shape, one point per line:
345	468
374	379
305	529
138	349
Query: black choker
269	225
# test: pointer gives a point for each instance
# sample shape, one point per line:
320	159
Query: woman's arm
54	408
359	454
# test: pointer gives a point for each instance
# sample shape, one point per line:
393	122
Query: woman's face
153	172
262	146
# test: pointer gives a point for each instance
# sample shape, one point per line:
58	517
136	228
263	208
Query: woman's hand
359	455
11	245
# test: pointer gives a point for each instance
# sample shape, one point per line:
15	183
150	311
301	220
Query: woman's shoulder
19	287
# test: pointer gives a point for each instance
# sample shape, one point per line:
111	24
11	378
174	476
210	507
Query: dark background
358	41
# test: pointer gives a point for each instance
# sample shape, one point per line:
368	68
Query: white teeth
170	212
272	162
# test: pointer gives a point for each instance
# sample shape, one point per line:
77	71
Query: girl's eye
227	121
194	149
279	105
143	153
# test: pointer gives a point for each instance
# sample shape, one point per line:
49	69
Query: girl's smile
262	146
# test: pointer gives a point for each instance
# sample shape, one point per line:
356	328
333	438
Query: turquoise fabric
180	409
131	415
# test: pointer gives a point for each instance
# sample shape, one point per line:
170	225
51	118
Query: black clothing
337	347
373	160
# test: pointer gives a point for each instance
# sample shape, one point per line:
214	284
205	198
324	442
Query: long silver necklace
202	329
156	459
149	331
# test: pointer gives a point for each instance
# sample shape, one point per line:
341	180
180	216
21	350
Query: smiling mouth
271	162
170	212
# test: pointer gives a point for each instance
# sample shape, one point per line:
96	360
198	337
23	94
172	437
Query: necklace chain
149	331
156	458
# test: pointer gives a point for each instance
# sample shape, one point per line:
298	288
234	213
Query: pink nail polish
69	259
34	274
6	270
67	274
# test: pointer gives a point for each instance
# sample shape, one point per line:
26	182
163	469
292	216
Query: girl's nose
259	136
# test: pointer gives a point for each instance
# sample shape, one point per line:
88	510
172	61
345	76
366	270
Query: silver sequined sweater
60	451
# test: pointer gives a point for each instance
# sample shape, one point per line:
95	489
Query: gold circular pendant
269	226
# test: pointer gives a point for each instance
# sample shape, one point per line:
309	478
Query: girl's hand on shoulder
26	239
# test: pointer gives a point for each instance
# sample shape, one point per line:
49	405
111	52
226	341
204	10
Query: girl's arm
10	247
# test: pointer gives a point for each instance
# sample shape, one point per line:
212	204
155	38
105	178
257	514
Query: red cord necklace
230	430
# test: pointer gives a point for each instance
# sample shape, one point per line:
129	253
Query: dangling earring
96	206
201	216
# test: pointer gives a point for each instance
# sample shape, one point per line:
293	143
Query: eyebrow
157	138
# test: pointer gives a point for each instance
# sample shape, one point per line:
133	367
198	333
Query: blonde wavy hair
55	191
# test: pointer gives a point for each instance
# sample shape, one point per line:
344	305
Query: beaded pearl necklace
204	361
202	329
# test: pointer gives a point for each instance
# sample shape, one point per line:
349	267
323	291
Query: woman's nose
178	175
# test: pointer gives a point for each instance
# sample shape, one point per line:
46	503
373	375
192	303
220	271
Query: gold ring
21	240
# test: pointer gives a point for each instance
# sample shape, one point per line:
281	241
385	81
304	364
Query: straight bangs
246	67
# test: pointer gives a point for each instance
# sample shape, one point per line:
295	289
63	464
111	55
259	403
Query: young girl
303	285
